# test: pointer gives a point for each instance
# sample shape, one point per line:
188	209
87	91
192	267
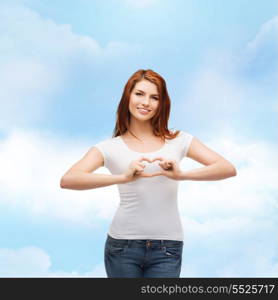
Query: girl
145	238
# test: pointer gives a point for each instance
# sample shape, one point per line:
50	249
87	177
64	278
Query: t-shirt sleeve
101	146
186	141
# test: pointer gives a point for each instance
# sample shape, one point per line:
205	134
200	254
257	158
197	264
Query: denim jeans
142	258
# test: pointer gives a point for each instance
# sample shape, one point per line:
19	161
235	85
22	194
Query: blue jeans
142	258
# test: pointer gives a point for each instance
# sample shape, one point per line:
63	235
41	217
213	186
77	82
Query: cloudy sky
63	66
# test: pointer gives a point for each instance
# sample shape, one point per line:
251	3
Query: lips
143	111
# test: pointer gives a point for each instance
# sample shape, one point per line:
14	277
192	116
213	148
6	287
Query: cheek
131	104
156	106
133	101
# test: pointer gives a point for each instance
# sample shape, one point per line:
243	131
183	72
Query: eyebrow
143	92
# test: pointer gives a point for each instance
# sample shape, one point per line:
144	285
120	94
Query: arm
80	177
79	180
216	166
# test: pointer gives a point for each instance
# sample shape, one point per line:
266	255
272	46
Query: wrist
123	178
182	176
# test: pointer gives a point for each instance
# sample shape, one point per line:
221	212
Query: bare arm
216	166
80	176
78	180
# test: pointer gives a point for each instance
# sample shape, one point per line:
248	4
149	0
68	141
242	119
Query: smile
143	111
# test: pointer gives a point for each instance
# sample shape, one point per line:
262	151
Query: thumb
163	172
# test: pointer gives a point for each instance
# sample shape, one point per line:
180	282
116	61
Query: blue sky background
63	66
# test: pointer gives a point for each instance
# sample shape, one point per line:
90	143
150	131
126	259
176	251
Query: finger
163	165
170	162
138	169
151	174
141	165
156	173
145	175
158	158
166	164
145	158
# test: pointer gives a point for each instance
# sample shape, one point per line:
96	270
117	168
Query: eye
139	94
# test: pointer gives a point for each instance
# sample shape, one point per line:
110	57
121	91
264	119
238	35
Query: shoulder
106	147
184	139
184	135
106	144
107	141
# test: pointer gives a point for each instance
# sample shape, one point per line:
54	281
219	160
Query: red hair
160	120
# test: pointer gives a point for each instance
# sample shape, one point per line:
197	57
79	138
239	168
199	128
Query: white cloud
238	246
260	57
217	96
97	271
251	192
224	89
267	32
35	262
211	94
39	38
229	224
34	164
35	36
38	58
222	216
24	86
27	261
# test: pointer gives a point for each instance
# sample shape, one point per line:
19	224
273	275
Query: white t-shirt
148	206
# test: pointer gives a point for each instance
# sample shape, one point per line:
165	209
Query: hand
170	168
136	169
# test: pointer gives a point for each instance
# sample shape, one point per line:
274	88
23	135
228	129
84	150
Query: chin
145	118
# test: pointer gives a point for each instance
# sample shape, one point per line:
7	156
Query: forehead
146	86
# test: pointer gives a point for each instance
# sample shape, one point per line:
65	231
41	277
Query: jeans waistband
143	242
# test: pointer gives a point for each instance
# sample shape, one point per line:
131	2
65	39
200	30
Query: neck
143	130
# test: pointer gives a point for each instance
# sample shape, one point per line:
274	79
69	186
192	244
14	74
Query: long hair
159	121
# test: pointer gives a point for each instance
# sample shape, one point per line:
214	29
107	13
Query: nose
146	100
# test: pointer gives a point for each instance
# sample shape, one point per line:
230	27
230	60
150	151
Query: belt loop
162	243
128	243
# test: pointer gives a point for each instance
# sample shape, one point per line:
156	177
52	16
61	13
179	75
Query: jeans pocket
173	251
112	249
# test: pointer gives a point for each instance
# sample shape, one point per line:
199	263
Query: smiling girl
145	238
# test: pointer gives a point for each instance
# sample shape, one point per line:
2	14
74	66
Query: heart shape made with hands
151	168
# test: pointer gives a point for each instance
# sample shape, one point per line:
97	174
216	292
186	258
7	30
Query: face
144	100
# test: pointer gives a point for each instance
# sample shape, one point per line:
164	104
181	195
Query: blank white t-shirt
148	206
